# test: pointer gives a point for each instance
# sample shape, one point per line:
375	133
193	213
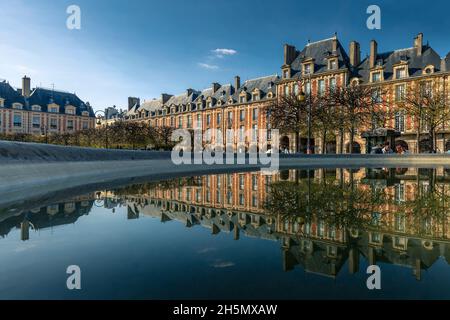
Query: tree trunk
297	142
324	143
352	138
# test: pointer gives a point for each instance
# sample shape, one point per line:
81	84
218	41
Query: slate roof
319	51
416	63
42	97
447	62
224	92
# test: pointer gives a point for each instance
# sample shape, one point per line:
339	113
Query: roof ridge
323	40
263	77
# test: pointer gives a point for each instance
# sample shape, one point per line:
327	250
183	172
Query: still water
286	235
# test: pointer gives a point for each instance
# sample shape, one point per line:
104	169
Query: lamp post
99	121
308	143
45	133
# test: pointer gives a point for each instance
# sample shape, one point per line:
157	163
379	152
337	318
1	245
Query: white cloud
208	66
220	53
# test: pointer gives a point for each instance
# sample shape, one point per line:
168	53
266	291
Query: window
2	102
376	76
307	69
242	99
85	113
321	87
255	114
70	111
53	123
85	125
376	95
209	104
308	88
180	122
36	108
208	119
17	106
241	133
189	121
400	193
242	115
36	122
286	74
241	181
53	110
332	64
69	124
254	132
199	121
296	91
230	118
255	96
254	182
17	120
400	73
400	92
286	90
218	119
400	121
254	201
332	84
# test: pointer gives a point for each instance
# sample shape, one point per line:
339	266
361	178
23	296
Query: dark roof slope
320	51
416	63
10	94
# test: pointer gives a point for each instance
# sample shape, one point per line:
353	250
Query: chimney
189	91
355	53
215	86
443	64
373	53
26	86
289	54
334	44
237	83
132	101
165	97
418	43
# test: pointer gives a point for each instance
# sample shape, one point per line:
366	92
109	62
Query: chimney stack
334	44
26	86
418	43
237	83
373	53
165	97
355	53
215	86
132	101
289	54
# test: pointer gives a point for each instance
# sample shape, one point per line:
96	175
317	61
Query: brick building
42	111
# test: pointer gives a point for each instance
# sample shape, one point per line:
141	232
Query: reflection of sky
144	258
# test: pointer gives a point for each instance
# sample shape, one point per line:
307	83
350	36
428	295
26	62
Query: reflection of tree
338	204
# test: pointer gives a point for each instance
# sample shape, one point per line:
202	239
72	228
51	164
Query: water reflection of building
50	216
235	203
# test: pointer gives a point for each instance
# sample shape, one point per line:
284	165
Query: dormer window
332	64
209	104
428	70
230	101
255	96
242	98
376	76
2	102
308	68
286	73
53	109
17	106
70	110
36	108
219	103
400	73
270	95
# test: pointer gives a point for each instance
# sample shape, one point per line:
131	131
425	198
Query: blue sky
143	48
